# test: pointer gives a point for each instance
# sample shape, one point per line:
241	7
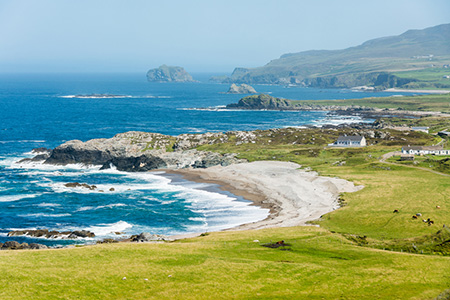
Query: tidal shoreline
294	196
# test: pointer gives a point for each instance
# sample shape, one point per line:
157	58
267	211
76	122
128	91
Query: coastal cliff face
142	151
378	63
169	74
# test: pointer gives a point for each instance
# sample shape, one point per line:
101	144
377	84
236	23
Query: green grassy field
440	103
429	78
317	264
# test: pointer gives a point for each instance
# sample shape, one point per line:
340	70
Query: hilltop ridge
378	63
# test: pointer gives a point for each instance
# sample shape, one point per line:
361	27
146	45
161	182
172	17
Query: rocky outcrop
45	233
241	89
169	74
267	102
142	151
41	154
13	245
82	185
147	237
262	101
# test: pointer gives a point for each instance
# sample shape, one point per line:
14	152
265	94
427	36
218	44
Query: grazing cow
280	243
437	206
414	217
395	211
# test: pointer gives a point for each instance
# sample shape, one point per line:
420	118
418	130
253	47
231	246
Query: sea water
38	110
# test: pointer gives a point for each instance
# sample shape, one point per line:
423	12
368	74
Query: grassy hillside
316	264
374	63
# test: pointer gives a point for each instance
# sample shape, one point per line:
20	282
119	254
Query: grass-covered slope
375	62
315	264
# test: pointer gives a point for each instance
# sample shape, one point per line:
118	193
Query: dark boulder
41	150
37	158
135	164
77	184
11	245
146	237
34	246
81	234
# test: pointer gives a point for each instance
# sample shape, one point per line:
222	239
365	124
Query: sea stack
241	89
169	74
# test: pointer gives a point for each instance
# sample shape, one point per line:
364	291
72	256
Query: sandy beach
395	90
294	196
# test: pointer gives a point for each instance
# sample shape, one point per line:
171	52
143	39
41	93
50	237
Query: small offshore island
169	74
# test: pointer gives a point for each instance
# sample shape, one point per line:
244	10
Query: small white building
423	150
350	141
422	129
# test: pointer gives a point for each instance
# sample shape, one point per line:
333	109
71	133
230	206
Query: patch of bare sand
294	196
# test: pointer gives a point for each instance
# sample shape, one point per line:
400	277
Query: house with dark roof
350	141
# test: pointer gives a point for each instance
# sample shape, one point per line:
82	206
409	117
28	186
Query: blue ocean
39	110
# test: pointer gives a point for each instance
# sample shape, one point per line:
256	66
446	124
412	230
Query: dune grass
317	264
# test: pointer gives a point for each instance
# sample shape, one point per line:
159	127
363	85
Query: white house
422	150
350	141
422	129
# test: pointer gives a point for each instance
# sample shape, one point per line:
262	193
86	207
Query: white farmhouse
350	141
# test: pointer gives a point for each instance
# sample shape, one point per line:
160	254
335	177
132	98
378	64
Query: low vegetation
317	264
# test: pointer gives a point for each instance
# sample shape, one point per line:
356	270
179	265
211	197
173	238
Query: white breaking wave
107	229
39	215
85	208
48	204
106	96
11	198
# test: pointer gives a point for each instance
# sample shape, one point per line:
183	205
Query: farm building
350	141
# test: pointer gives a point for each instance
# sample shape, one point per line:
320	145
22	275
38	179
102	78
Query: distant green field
430	78
440	103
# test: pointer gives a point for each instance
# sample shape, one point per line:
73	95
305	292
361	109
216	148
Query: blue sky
200	35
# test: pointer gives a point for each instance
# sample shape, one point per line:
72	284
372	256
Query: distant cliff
169	74
380	63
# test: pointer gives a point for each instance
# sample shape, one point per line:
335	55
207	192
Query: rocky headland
241	89
267	102
140	151
169	74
